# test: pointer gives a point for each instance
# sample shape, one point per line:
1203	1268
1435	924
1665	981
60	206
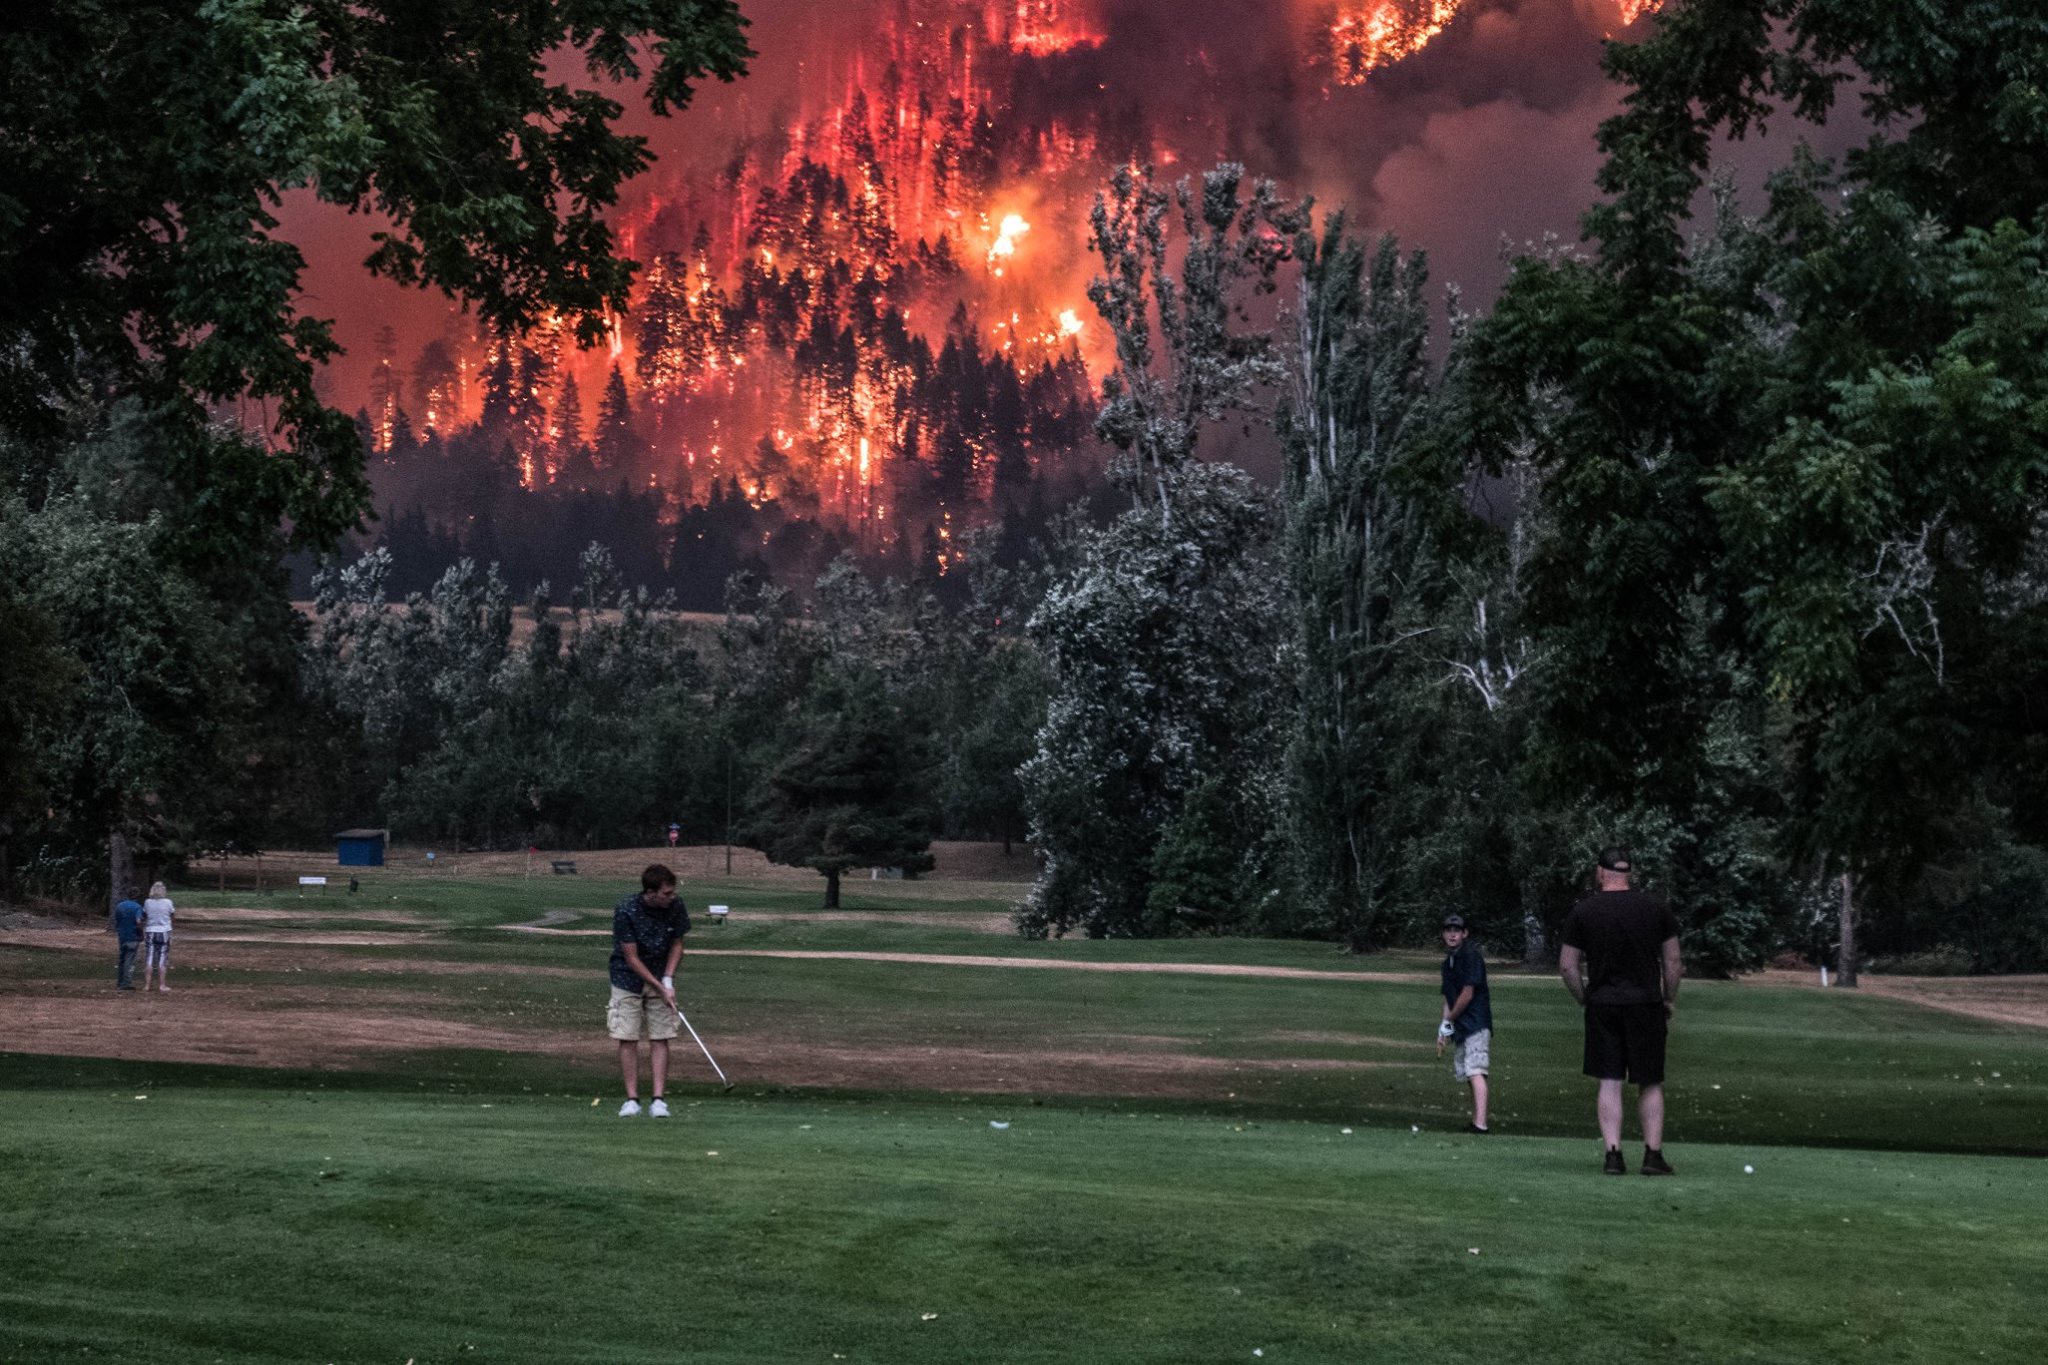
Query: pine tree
612	442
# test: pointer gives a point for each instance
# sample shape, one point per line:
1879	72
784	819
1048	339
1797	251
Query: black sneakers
1654	1162
1475	1128
1614	1165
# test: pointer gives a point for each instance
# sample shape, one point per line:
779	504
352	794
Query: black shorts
1626	1043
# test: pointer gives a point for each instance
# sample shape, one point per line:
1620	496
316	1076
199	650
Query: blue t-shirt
1461	969
652	931
128	922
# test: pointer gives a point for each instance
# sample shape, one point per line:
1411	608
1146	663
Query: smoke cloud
1485	133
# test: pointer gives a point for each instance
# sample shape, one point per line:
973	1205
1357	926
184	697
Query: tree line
1724	539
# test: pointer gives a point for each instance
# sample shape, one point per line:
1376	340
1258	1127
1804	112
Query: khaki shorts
1472	1057
634	1015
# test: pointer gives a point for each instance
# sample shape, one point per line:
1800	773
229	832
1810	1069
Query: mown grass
452	1206
1750	1063
226	1223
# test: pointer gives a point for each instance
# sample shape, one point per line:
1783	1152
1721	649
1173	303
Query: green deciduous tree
853	787
1811	443
1186	355
1165	645
1358	561
138	198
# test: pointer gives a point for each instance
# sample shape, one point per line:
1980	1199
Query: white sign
719	911
312	881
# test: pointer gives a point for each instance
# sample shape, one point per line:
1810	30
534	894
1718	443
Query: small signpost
718	914
305	882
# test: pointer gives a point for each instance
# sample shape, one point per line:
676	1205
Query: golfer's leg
1650	1104
629	1066
658	1050
1610	1113
1479	1101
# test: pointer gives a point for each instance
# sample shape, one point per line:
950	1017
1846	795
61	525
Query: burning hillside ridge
869	308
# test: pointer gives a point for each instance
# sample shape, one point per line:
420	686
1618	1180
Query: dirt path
1164	968
979	960
1996	999
968	921
343	1010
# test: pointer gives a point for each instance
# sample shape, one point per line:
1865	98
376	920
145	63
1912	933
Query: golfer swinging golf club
647	936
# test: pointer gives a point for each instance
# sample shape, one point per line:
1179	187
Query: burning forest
861	321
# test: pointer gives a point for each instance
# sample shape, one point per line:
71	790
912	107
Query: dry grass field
956	863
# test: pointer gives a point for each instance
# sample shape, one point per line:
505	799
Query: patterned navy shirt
633	921
1461	969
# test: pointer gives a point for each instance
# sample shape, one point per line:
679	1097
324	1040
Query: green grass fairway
220	1223
416	1171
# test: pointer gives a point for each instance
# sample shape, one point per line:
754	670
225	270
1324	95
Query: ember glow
1364	39
1045	27
863	299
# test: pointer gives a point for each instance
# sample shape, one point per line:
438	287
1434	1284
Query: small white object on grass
1749	1170
993	1124
1473	1250
1345	1131
1414	1127
926	1317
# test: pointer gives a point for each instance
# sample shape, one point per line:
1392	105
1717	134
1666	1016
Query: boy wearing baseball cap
1468	1016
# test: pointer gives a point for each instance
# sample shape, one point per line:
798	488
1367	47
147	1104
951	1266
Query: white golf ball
1749	1170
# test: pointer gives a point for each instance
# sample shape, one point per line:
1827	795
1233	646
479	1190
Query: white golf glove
668	983
1444	1030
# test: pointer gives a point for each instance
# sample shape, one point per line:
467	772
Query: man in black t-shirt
1620	962
1468	1016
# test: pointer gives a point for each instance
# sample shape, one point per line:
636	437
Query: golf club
700	1046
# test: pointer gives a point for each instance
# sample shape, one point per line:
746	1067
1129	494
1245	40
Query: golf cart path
987	960
1166	968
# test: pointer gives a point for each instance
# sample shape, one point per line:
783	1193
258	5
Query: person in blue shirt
128	933
647	948
1468	1017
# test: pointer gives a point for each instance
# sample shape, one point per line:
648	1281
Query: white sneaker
659	1109
629	1109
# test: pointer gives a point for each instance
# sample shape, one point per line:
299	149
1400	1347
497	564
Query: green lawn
472	1204
213	1222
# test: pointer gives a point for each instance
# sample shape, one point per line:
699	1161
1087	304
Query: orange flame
1005	245
1383	32
1043	28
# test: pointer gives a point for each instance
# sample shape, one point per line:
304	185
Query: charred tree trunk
120	871
1845	965
832	889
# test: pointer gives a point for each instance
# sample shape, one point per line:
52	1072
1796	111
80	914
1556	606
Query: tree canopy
145	148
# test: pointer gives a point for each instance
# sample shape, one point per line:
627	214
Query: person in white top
156	936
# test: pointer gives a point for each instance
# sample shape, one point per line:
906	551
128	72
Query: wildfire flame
1363	38
1382	33
811	329
1005	245
1043	28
